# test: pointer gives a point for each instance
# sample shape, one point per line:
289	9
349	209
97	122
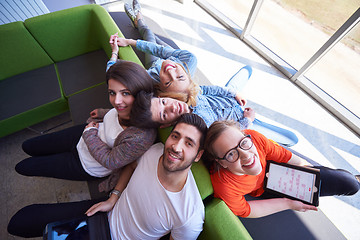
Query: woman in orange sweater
237	159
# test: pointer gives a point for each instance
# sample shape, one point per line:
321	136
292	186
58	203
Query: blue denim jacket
219	103
183	57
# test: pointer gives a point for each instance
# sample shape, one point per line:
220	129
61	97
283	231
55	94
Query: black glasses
233	154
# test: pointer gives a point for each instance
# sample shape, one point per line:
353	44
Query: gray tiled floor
220	55
19	191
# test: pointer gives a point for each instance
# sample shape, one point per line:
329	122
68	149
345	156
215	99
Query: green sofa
48	60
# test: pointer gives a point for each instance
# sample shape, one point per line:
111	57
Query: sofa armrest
221	223
202	179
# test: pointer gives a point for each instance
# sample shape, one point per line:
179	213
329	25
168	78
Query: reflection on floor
220	55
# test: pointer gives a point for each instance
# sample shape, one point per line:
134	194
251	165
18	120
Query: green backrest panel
201	174
221	224
64	34
19	51
71	32
163	133
202	178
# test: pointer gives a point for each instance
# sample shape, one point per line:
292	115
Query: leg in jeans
62	166
337	182
30	221
57	142
149	36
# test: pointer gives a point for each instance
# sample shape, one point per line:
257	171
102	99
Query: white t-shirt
108	131
146	210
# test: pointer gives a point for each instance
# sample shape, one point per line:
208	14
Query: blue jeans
148	35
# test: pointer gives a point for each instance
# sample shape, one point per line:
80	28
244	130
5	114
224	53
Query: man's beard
178	168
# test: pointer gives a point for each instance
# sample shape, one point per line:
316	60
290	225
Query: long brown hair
133	76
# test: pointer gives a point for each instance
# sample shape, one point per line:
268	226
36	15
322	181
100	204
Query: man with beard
161	196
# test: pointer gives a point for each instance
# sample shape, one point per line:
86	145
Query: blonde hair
188	97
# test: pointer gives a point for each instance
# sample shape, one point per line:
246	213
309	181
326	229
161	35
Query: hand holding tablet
294	182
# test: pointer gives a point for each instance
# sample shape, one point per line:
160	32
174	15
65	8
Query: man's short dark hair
197	122
141	115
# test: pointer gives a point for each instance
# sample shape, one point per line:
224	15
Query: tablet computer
294	182
71	229
95	227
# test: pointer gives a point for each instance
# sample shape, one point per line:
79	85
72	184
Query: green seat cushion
28	90
82	72
19	51
83	103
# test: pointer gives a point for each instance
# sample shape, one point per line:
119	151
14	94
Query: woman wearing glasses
237	159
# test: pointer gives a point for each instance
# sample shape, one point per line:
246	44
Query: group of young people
152	190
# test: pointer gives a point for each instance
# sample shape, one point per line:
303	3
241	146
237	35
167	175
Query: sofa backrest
72	32
19	51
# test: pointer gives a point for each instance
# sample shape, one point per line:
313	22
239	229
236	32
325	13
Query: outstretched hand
92	124
94	113
113	42
249	113
240	99
104	206
301	207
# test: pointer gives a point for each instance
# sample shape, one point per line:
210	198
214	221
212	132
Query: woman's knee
20	168
338	182
23	224
27	146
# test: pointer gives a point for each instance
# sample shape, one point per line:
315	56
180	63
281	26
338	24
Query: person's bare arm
108	205
298	161
265	207
123	42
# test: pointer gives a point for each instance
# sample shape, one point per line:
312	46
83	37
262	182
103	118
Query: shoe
136	7
130	13
240	79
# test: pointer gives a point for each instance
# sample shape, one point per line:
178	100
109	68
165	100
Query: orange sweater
231	188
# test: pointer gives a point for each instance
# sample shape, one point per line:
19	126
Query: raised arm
116	41
109	204
265	207
167	52
296	160
214	90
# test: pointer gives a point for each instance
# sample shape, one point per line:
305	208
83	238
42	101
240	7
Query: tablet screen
72	229
293	181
